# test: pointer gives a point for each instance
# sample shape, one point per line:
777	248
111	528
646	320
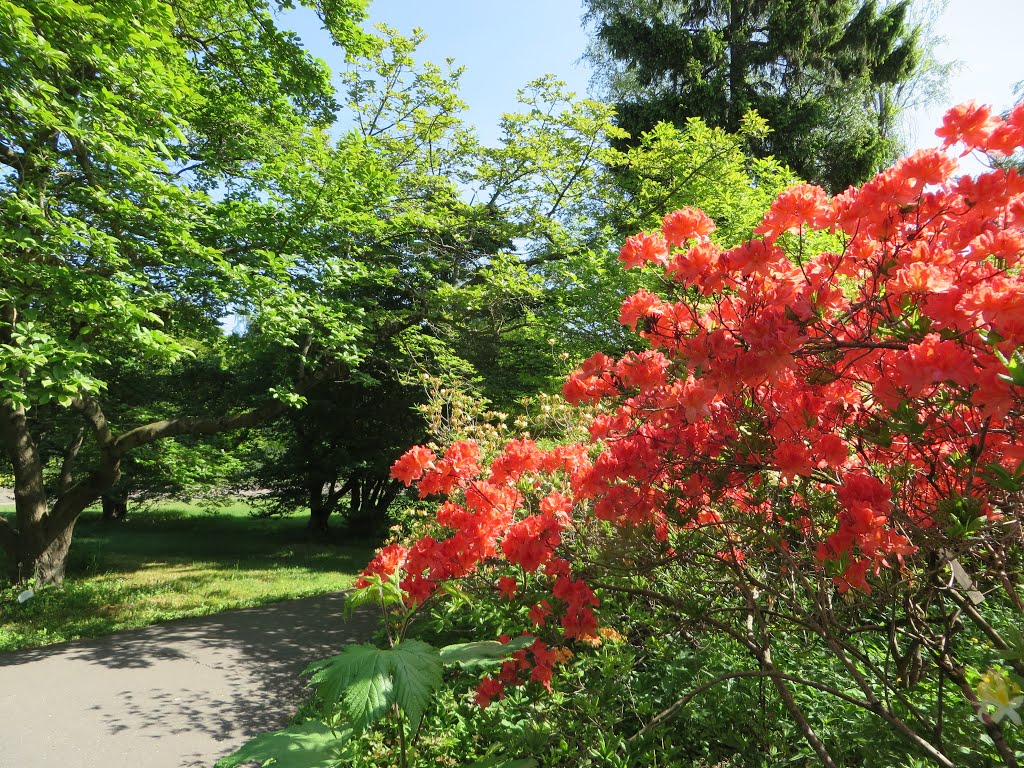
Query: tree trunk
38	546
39	549
370	500
318	516
48	568
736	40
321	505
114	507
23	544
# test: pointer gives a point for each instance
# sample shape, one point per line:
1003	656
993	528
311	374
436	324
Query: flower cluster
532	664
839	408
872	375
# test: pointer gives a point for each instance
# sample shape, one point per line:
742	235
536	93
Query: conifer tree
821	72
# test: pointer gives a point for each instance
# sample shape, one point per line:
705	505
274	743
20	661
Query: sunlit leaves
367	681
310	745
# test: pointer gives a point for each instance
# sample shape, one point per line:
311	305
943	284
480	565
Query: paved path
175	695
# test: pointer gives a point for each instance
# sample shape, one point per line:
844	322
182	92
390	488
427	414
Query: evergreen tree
821	72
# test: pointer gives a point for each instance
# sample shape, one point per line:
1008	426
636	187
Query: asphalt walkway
175	695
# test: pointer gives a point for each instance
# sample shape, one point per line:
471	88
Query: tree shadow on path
204	685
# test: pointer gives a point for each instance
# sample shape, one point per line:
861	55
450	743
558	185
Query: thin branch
674	708
68	464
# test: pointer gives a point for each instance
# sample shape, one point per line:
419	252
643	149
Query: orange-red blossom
812	373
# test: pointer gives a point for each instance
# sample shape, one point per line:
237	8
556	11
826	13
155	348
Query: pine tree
821	72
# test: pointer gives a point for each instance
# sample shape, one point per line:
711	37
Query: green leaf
378	591
1014	638
417	675
310	745
1014	365
1001	477
360	678
370	691
503	762
453	591
482	652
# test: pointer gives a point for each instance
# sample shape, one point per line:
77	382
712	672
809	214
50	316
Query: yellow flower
997	690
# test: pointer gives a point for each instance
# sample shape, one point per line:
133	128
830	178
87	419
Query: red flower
797	207
920	278
832	451
641	305
539	613
701	265
386	563
518	457
855	576
507	586
640	249
531	541
645	370
411	465
793	459
489	690
968	122
685	224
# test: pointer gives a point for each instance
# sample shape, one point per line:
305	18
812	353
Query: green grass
171	562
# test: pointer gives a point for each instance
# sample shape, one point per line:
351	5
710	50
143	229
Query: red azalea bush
825	434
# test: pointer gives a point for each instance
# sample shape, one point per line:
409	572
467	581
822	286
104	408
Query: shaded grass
175	561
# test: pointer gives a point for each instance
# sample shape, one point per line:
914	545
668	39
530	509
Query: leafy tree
333	454
117	118
139	392
494	264
821	73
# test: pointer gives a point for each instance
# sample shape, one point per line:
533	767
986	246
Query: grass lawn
171	562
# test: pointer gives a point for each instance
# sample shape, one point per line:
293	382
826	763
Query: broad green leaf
417	675
360	678
314	667
369	688
310	745
482	652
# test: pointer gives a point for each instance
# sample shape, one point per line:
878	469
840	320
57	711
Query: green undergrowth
175	561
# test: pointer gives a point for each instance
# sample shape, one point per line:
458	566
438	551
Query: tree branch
71	502
9	157
211	425
68	464
90	410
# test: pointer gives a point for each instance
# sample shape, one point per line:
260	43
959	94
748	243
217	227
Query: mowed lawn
175	561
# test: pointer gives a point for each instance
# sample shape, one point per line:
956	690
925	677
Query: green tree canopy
819	71
117	119
492	263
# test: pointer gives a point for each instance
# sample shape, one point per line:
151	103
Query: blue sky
504	45
985	37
